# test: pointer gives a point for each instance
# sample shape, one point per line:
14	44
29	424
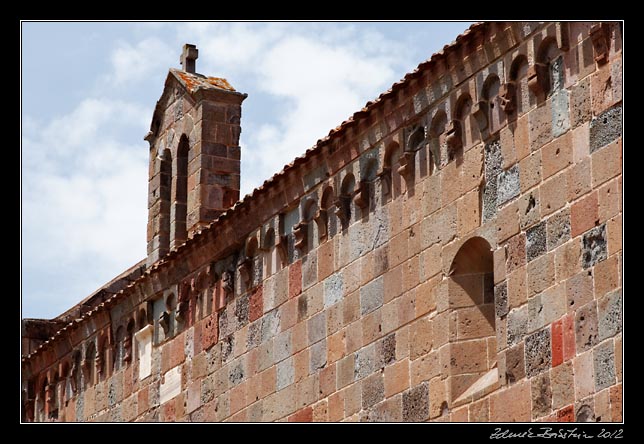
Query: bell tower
194	163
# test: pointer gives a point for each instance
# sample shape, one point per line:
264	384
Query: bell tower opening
194	155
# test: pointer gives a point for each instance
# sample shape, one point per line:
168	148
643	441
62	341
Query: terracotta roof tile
196	81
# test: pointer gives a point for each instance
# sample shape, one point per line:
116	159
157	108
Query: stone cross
188	57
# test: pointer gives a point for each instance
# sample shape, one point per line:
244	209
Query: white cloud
84	199
314	75
133	63
84	184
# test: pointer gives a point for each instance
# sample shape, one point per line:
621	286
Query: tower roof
194	81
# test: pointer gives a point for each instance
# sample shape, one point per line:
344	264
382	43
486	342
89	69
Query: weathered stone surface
371	296
586	327
332	290
610	315
373	390
605	128
558	229
594	246
501	299
283	309
514	364
365	362
537	352
517	324
508	185
562	385
560	112
536	241
416	404
604	358
541	395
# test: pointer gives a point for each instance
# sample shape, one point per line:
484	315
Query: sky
88	94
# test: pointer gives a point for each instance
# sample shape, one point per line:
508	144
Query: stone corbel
385	180
361	198
127	347
300	231
539	80
508	97
227	282
85	365
73	370
244	269
281	244
321	219
562	33
480	111
49	397
406	161
164	322
600	36
99	361
341	204
185	293
453	136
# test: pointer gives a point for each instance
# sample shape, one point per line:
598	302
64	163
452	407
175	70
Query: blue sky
88	93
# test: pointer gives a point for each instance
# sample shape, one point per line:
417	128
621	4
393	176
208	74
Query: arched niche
437	143
473	343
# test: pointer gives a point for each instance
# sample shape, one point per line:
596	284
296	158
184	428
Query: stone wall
452	253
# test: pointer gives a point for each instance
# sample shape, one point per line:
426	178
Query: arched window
308	216
120	348
546	75
416	139
391	180
41	401
170	306
90	364
327	215
51	397
165	202
179	212
65	375
469	129
518	93
490	94
473	349
271	255
437	144
101	358
142	319
76	373
345	209
128	342
368	172
256	263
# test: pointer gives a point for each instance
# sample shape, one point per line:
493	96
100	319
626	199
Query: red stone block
169	412
304	415
566	414
584	214
219	296
256	304
295	279
569	349
557	342
143	403
209	333
178	350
